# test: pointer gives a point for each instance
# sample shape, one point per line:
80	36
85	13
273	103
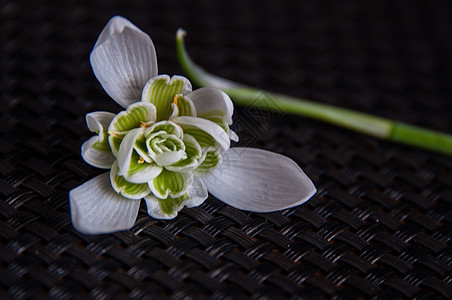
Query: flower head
169	146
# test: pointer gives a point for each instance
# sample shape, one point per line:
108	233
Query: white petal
99	121
233	136
126	149
126	188
168	158
123	60
96	208
95	157
214	130
147	173
259	181
115	25
209	99
197	194
155	211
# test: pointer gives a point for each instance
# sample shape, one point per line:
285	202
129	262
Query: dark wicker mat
380	225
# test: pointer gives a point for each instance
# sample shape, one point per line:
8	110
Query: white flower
169	146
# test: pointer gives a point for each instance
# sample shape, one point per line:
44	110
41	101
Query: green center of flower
163	147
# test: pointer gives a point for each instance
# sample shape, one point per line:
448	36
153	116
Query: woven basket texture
380	225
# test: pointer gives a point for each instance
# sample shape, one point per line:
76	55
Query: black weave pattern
380	225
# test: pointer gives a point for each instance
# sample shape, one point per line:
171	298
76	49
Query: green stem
365	123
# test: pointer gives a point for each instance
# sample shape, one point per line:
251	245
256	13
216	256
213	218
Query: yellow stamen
176	97
114	134
146	125
141	160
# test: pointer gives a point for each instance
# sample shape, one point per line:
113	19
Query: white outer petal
258	180
97	158
96	208
115	25
209	127
208	99
123	60
197	194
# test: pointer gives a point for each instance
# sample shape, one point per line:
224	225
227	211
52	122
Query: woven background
380	225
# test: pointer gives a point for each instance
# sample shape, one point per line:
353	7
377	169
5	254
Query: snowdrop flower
170	145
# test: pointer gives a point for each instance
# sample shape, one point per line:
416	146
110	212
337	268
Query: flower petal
127	189
183	107
233	136
169	207
164	208
165	149
168	158
211	161
96	156
166	126
212	104
197	193
115	25
130	165
194	155
96	151
192	125
96	208
123	60
136	115
99	121
126	149
170	184
162	90
259	181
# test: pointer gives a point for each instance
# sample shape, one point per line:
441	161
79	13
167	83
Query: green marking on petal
212	160
134	167
137	115
216	116
185	106
203	138
125	188
115	142
206	132
164	143
166	126
219	121
98	122
102	143
194	154
169	205
161	92
140	148
140	171
170	184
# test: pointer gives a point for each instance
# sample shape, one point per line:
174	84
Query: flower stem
379	127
